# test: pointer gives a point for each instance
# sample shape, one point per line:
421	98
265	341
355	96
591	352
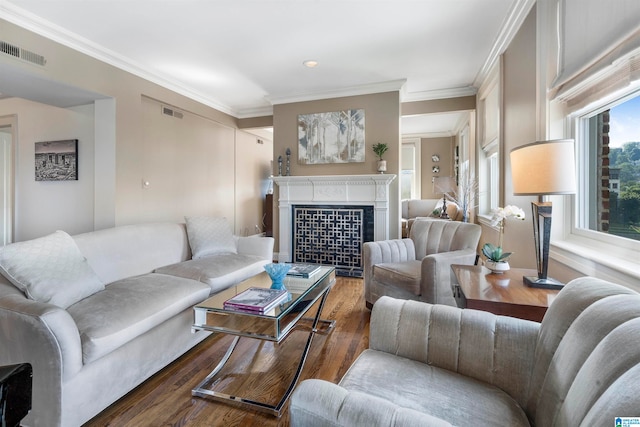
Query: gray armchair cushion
320	403
405	275
455	398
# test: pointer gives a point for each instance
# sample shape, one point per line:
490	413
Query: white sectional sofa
98	313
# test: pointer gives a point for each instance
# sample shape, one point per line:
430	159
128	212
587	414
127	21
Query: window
410	170
489	142
598	72
609	146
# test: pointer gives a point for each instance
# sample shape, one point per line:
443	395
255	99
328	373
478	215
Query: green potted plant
379	149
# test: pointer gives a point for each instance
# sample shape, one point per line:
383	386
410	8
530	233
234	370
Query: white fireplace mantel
364	190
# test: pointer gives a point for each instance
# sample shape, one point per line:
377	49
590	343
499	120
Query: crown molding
250	112
388	86
427	135
31	22
429	95
508	30
35	24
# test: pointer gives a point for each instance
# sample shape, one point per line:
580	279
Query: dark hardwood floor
257	370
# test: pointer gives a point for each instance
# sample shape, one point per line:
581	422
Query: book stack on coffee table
257	300
303	270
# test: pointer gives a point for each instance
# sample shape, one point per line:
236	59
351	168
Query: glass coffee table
273	326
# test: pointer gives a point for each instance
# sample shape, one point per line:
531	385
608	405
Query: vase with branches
465	194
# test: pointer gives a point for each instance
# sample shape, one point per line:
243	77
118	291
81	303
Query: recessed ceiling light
310	63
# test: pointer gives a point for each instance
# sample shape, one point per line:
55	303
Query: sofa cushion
405	275
443	394
130	307
209	236
49	269
218	271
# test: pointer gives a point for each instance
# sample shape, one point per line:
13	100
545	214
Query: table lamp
543	168
443	185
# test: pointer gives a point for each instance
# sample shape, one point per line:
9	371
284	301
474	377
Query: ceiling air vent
25	55
173	113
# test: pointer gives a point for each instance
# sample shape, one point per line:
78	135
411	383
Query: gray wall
443	147
382	124
519	128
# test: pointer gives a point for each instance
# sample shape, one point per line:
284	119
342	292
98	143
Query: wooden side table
504	294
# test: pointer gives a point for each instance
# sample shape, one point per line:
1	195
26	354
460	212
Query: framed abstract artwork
334	137
57	160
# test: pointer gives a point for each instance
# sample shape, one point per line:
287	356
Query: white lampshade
443	184
544	167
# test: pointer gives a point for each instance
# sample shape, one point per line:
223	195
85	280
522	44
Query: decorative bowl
497	267
277	272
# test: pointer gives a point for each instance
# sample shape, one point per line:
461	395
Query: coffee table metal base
276	410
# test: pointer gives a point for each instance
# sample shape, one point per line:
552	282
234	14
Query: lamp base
536	282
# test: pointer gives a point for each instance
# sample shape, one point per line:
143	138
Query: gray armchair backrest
432	236
587	368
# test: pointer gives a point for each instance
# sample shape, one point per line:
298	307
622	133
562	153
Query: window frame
579	122
588	251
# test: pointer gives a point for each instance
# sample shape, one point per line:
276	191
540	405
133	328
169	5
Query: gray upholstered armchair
436	366
419	267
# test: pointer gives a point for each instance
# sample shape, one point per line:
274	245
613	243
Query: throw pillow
452	210
50	269
209	236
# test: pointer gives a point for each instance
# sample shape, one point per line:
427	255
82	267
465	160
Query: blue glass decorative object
277	272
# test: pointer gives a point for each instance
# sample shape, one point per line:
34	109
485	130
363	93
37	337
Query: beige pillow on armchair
454	212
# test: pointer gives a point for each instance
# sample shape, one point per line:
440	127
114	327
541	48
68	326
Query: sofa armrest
256	245
43	334
435	275
498	350
321	403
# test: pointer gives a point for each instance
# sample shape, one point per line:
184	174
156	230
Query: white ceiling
433	125
244	56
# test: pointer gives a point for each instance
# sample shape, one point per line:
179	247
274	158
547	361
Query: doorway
7	142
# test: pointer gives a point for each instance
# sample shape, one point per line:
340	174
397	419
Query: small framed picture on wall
57	160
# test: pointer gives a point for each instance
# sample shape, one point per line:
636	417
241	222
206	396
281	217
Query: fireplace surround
322	209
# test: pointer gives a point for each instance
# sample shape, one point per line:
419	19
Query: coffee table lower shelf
276	410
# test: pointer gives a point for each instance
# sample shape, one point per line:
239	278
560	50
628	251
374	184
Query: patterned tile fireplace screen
332	235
